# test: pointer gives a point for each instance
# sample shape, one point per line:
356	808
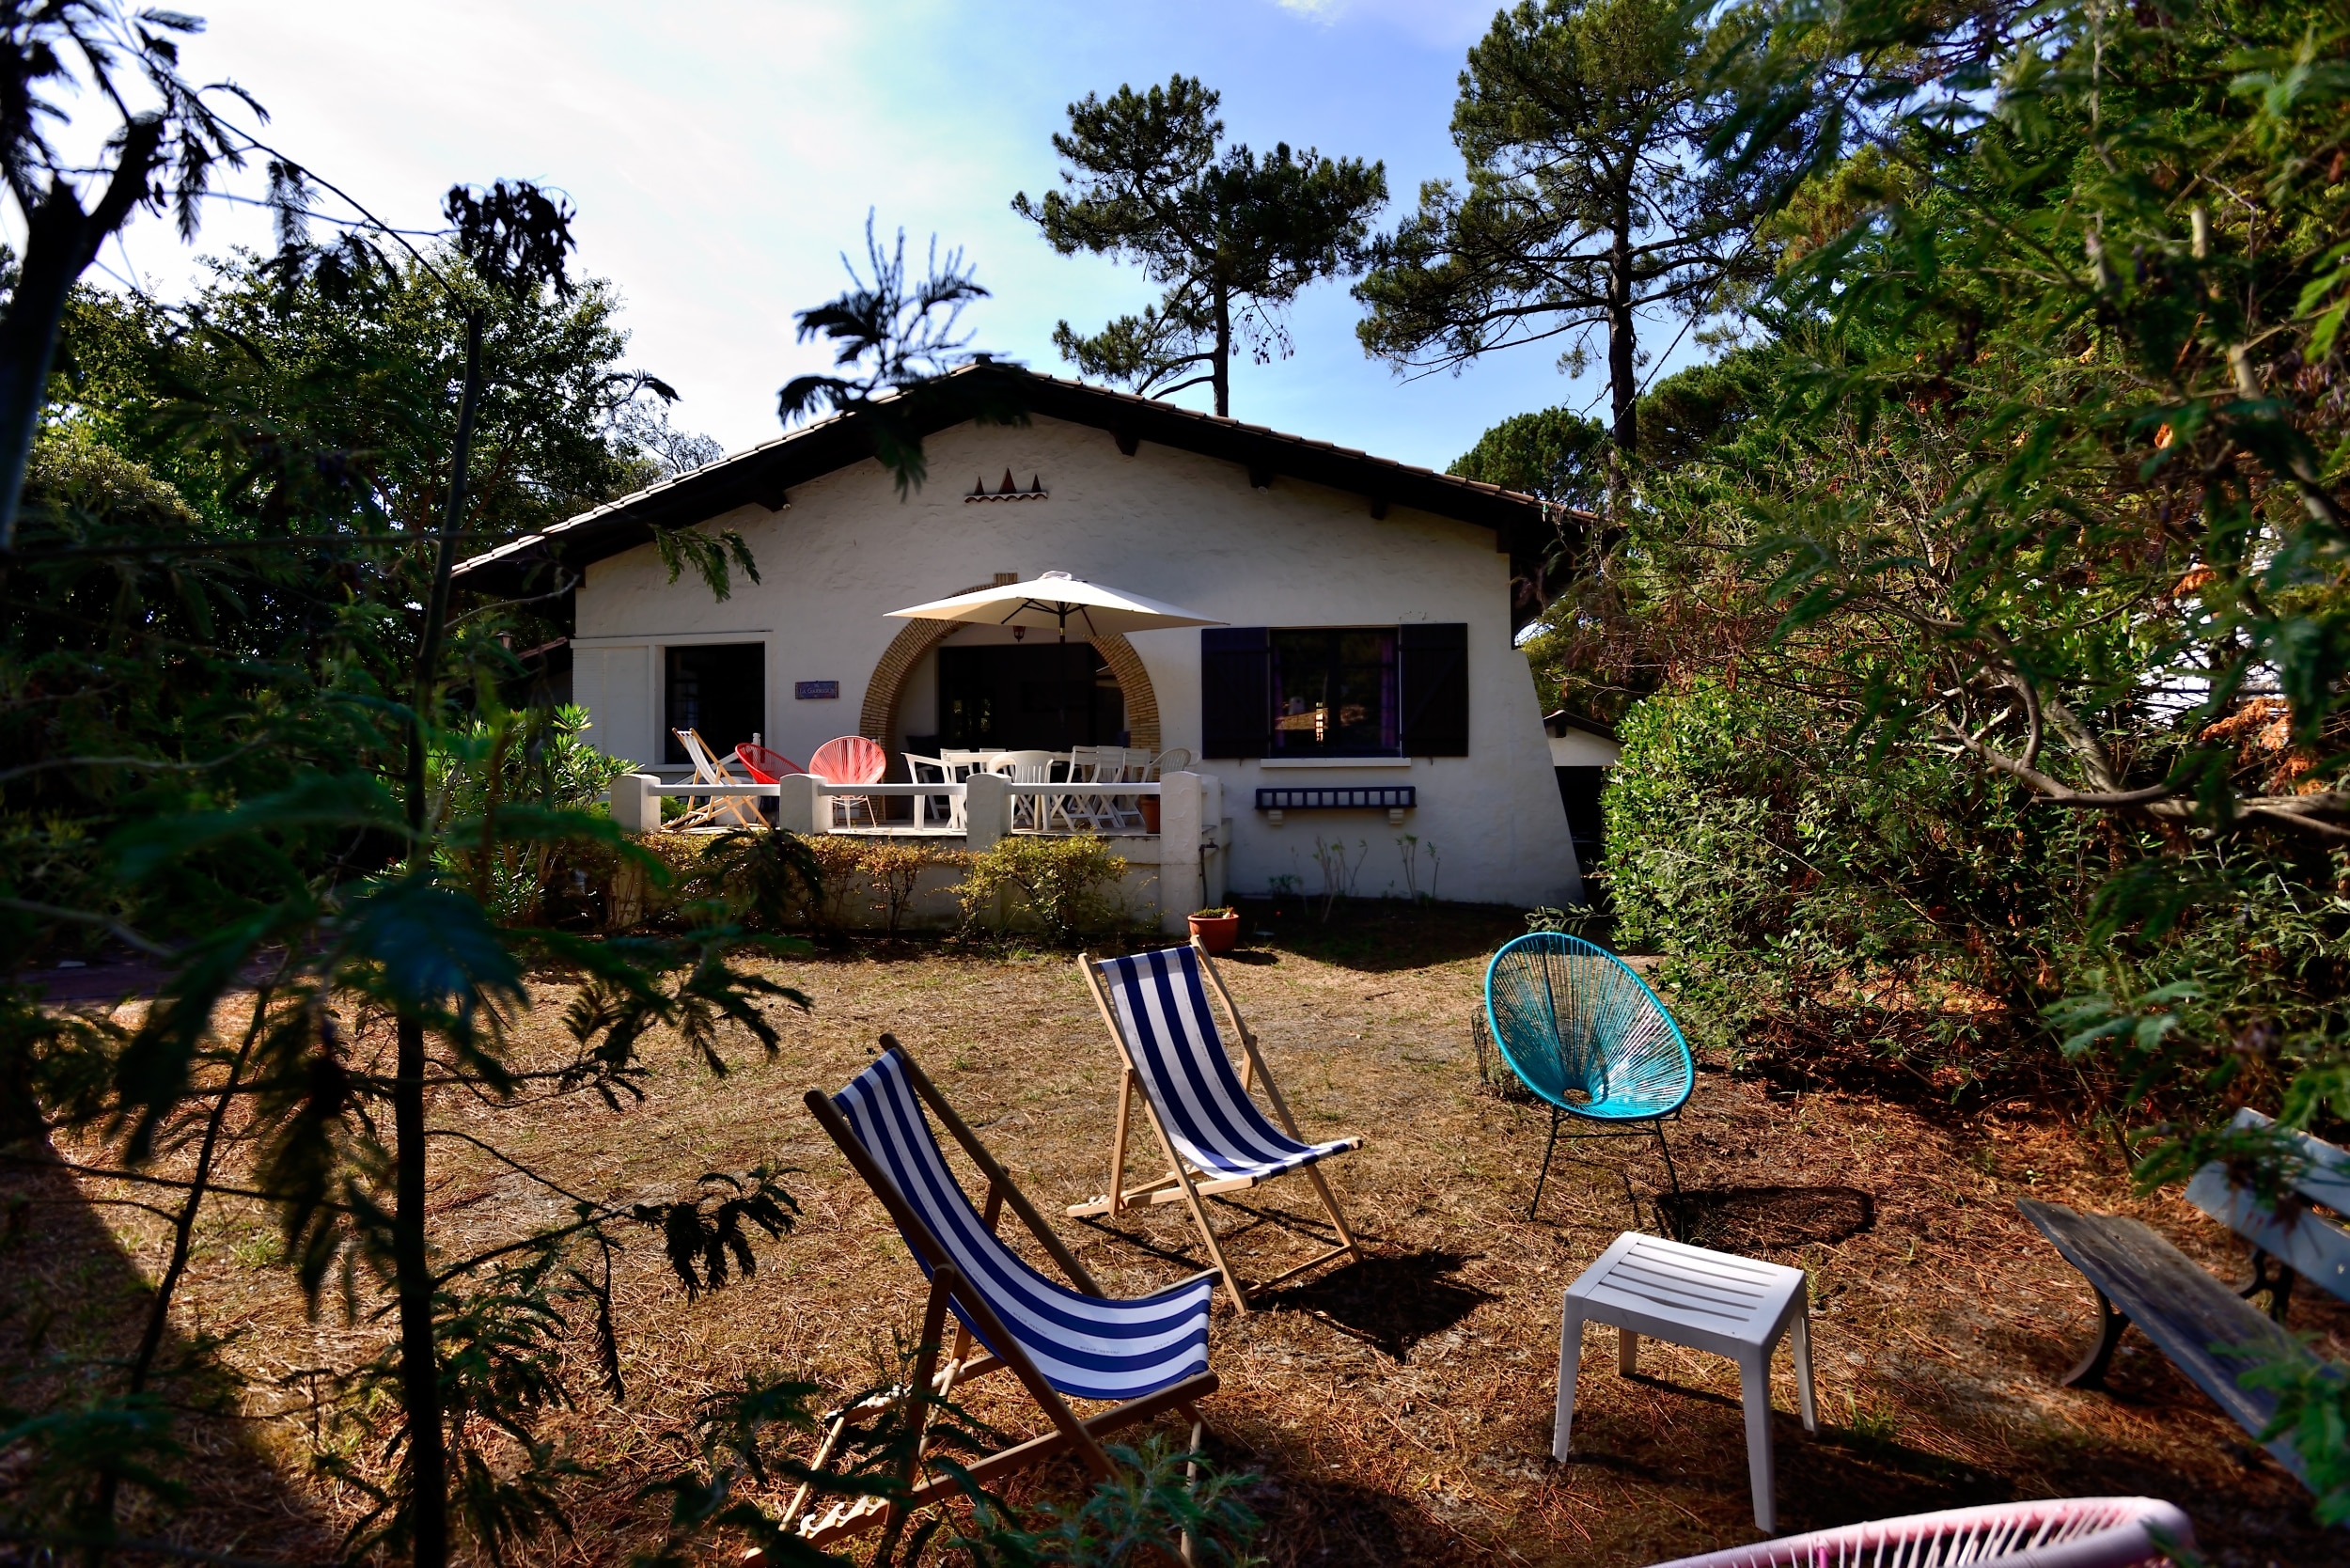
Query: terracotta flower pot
1218	933
1150	814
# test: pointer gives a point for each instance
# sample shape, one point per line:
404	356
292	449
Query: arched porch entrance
881	720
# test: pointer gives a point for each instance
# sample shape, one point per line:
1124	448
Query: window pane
1334	693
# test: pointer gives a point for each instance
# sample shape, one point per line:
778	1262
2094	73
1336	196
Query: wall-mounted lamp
1019	632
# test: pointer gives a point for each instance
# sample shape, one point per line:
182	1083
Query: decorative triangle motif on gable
1008	490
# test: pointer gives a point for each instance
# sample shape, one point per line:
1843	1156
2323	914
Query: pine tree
1231	237
1582	123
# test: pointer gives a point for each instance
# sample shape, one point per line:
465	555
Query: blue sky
722	154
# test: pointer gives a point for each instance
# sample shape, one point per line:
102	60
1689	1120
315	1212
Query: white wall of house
1579	748
1173	525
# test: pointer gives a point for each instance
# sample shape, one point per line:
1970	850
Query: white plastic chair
1090	765
1123	765
936	770
2054	1532
1026	767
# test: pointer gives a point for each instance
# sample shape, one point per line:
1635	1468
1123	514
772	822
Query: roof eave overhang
765	475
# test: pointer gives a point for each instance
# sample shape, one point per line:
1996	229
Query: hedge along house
1364	705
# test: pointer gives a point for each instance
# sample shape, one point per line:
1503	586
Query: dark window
1020	696
718	689
1334	693
1436	689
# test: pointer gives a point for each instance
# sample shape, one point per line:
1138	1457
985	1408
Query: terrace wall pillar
796	803
986	810
634	808
1182	799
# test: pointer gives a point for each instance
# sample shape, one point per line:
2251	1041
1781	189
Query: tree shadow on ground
1765	1218
1390	1302
72	1304
1378	935
1897	1055
1311	1520
1313	1229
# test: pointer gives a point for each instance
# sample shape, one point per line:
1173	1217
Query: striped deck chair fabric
1214	1137
1087	1347
1179	1055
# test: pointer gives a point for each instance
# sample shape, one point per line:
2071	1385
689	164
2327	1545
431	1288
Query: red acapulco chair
764	764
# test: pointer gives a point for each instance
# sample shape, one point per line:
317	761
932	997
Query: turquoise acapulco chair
1590	1038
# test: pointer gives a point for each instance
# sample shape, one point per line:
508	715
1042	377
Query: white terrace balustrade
976	813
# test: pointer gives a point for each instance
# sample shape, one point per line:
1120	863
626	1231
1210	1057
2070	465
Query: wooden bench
2191	1316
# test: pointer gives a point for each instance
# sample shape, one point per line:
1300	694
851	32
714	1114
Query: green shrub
517	761
1059	884
1802	889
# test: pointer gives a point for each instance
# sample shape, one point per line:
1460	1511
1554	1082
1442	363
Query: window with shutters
1334	691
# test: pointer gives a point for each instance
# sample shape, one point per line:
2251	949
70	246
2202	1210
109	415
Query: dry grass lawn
1398	1409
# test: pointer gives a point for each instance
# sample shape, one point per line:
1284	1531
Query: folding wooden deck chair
1147	1355
1214	1137
734	810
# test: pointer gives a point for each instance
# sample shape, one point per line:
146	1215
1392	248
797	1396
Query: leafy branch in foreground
918	374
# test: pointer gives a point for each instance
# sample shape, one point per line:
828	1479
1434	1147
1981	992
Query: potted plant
1216	930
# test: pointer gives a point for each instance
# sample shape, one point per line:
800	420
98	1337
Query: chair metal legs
1547	1149
1655	1126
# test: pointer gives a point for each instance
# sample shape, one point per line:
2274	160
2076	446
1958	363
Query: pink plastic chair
850	760
763	764
2060	1533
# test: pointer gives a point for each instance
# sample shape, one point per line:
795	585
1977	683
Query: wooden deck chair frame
941	1367
738	810
1184	1183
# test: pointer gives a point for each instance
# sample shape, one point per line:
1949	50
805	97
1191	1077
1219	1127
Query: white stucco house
1365	687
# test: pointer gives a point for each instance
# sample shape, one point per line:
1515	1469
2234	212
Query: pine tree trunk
1624	384
411	1264
1223	353
419	1363
60	242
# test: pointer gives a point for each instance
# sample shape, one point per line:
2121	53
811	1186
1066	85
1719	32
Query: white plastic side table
1710	1301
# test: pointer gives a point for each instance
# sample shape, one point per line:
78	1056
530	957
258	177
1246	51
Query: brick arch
878	721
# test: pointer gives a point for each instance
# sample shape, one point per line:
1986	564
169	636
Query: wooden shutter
1236	691
1434	686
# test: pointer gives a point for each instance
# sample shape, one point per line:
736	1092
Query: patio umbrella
1054	599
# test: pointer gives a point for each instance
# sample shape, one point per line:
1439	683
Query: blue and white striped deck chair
1147	1355
1214	1137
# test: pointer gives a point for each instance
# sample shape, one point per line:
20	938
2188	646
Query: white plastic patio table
1710	1301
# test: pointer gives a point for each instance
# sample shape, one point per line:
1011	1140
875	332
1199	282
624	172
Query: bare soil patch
1399	1409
